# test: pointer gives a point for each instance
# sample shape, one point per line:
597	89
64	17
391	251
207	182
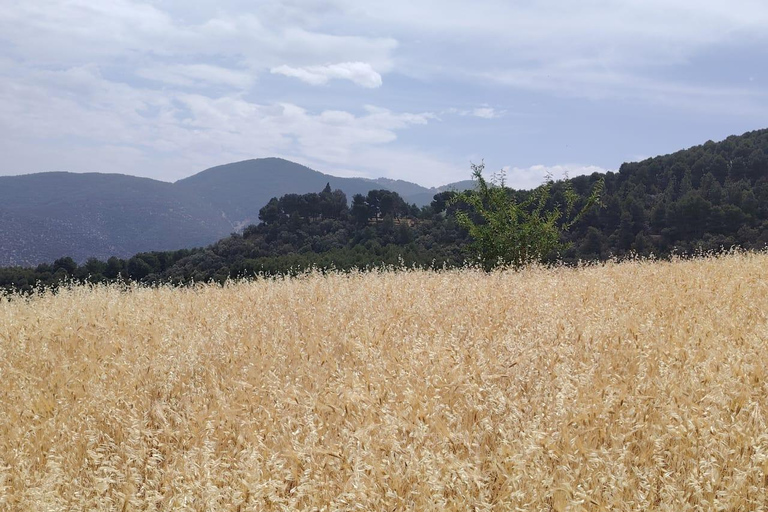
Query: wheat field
623	386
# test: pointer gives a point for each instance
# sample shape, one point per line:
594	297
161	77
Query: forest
708	198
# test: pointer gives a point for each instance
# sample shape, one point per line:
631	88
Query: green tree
115	266
515	233
93	270
67	264
137	268
270	213
360	210
440	201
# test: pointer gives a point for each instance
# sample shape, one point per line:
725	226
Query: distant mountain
418	195
239	190
49	215
457	186
425	197
406	189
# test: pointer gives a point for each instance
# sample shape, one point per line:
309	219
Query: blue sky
413	90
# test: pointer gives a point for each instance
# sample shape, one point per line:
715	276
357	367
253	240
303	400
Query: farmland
620	386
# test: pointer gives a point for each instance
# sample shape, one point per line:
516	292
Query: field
633	386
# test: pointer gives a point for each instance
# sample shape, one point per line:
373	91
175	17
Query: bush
514	233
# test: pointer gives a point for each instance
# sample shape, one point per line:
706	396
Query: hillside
240	189
49	215
46	216
637	386
425	197
707	197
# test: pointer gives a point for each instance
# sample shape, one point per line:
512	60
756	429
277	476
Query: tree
137	268
94	268
333	204
311	206
115	266
515	233
270	213
440	201
360	211
67	264
593	245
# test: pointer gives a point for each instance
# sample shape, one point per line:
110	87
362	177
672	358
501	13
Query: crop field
632	386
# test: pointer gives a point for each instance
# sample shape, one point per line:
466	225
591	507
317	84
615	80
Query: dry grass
636	386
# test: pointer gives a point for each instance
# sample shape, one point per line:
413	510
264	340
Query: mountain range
45	216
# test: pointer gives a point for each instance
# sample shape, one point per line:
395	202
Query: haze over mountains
46	216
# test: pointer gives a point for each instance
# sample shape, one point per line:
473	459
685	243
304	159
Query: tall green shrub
508	232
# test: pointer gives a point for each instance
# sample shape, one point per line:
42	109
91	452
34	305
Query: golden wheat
633	386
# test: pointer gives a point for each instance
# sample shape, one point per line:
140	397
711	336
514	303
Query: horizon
230	163
602	171
414	92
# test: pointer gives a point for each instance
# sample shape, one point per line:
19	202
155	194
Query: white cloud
590	28
133	33
58	33
186	131
486	113
398	163
524	178
360	73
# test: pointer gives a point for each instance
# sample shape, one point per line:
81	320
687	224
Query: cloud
74	111
411	164
582	82
624	50
360	73
666	29
484	112
133	34
169	87
525	178
56	33
191	75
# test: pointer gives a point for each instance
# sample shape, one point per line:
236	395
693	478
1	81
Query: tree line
707	198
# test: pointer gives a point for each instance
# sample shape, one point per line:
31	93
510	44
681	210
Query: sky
403	89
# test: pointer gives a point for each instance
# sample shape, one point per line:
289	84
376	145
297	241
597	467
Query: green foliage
305	207
510	232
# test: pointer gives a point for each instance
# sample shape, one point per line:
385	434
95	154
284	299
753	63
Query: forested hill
708	197
240	189
703	198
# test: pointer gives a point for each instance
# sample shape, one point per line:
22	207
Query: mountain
49	215
425	197
406	189
239	190
46	216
